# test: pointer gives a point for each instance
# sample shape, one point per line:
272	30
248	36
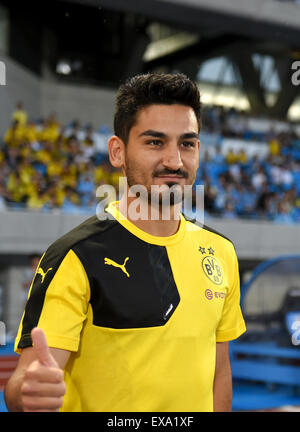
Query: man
20	114
137	313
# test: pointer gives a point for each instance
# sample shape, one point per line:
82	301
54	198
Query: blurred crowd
45	165
237	185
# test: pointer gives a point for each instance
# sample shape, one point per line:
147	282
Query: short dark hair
143	90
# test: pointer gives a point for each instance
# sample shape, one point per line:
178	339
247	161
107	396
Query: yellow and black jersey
141	314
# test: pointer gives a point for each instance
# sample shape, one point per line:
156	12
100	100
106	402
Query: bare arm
223	379
37	384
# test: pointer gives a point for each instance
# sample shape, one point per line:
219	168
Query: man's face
163	147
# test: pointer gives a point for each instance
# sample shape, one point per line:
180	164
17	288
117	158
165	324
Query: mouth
170	176
170	179
175	176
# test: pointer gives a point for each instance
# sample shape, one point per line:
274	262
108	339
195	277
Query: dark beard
164	198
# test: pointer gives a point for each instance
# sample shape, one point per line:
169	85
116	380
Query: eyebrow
157	134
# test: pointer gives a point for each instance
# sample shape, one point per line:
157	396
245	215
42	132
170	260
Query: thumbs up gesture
43	385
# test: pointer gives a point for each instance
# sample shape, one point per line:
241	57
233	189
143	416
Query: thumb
41	347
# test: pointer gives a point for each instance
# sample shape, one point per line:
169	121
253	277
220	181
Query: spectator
283	214
231	157
235	172
287	179
259	179
49	131
73	130
219	158
247	205
30	132
20	114
242	157
221	196
13	158
88	146
86	188
101	140
229	212
71	200
14	134
37	200
16	188
274	147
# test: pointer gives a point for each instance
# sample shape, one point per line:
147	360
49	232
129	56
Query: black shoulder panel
131	281
48	267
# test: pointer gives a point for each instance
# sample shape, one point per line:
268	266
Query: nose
172	158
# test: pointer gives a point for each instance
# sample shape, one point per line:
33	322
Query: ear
116	151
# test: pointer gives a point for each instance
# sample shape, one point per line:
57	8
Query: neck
151	219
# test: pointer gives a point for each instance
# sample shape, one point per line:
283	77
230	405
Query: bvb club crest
212	269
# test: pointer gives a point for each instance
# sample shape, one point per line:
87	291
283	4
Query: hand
43	386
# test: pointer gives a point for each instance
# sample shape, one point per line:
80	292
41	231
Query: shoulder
214	239
209	230
82	233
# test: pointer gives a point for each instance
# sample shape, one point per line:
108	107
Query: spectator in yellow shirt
20	114
55	167
14	135
114	178
102	174
36	201
55	194
36	184
231	157
49	132
242	157
30	132
16	188
69	174
26	150
45	154
274	147
26	171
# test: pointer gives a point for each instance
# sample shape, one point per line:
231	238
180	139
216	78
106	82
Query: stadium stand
46	166
253	171
250	167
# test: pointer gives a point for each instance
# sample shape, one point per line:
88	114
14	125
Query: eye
155	142
188	144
